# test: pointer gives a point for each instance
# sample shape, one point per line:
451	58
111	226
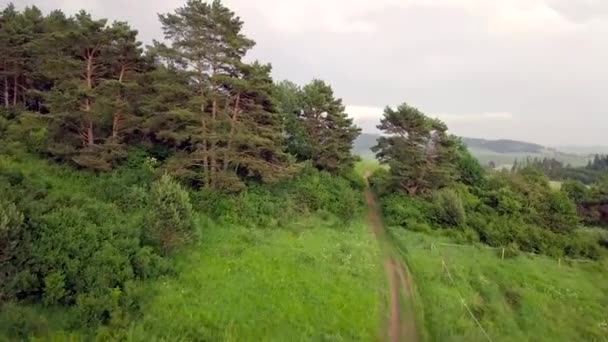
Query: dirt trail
400	326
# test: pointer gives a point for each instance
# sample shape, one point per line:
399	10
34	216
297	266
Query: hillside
502	151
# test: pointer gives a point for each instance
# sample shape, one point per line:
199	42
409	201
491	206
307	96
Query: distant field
486	156
312	281
366	166
519	299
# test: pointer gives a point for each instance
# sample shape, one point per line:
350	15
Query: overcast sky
534	70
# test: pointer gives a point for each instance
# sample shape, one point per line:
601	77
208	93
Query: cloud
368	117
499	116
466	60
356	16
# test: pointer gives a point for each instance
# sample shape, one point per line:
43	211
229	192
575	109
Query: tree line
113	156
85	91
433	182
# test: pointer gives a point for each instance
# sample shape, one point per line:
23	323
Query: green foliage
54	288
504	210
404	211
316	125
11	233
575	190
559	212
520	298
448	209
417	149
74	247
469	171
268	284
309	191
170	224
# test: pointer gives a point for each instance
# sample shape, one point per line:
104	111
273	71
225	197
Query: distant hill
503	145
502	152
363	144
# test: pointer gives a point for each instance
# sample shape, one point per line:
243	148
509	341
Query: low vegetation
518	298
178	192
437	185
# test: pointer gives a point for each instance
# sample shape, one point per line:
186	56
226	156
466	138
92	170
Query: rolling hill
502	152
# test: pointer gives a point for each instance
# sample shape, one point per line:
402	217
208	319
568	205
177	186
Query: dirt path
401	326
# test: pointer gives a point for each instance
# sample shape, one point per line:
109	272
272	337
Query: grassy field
311	282
519	299
314	281
314	278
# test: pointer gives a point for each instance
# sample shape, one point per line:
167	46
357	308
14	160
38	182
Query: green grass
519	299
555	185
365	166
311	282
314	278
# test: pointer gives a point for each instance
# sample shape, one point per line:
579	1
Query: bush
404	211
448	208
11	230
380	182
170	224
560	213
575	190
54	288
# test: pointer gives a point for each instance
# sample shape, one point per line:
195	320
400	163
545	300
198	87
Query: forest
146	192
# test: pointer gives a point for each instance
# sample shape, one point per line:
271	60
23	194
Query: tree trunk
212	155
89	72
87	105
90	134
116	125
6	102
117	114
205	150
233	120
15	89
122	74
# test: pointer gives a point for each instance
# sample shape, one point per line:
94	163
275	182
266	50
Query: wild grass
294	263
519	298
310	282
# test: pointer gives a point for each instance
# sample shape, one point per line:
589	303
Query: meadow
309	282
520	298
268	265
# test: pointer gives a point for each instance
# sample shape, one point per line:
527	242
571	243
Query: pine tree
329	132
418	150
94	69
19	36
230	100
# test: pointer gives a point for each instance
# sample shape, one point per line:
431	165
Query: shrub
54	288
559	213
317	190
507	203
448	208
11	229
404	211
575	190
170	223
380	182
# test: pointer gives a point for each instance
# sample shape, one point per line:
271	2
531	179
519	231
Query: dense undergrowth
519	211
85	244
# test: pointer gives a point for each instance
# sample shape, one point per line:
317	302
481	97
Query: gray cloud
541	61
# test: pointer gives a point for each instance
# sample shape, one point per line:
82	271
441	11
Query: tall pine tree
317	126
420	153
229	130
